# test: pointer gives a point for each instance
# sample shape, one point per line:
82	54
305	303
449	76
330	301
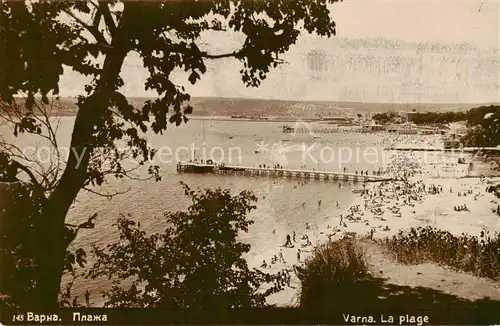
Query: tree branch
94	31
26	170
234	54
108	195
104	9
220	56
89	224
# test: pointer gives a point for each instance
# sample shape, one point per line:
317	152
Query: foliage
385	118
39	44
476	115
480	256
332	272
485	126
436	118
495	190
422	118
19	219
195	263
21	237
93	38
483	121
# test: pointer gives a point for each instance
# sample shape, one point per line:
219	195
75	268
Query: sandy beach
436	191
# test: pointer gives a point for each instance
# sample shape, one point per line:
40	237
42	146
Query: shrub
20	240
196	262
479	255
331	272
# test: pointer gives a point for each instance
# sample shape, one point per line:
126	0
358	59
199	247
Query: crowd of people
385	200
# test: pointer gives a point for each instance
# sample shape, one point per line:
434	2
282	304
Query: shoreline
445	171
224	118
389	210
218	118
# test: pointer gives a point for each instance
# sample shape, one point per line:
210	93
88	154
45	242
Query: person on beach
264	264
87	298
281	256
294	240
319	203
288	241
338	204
274	231
308	242
308	227
298	255
372	231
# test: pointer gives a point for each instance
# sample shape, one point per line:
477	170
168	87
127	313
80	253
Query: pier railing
277	172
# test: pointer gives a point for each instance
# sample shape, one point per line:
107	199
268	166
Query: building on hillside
458	128
338	120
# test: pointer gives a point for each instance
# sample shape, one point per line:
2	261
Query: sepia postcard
250	162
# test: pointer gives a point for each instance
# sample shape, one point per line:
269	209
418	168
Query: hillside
220	106
264	107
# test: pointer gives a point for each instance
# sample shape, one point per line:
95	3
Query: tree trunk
55	242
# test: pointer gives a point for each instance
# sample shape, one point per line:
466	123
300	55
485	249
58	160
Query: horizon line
314	101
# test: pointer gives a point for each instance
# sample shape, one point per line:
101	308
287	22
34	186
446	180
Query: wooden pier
277	173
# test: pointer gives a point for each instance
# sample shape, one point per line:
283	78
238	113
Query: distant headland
222	106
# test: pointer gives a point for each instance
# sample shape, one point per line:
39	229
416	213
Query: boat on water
231	137
461	160
317	137
260	139
357	191
285	140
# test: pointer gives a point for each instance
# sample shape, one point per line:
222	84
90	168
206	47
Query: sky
444	21
363	71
